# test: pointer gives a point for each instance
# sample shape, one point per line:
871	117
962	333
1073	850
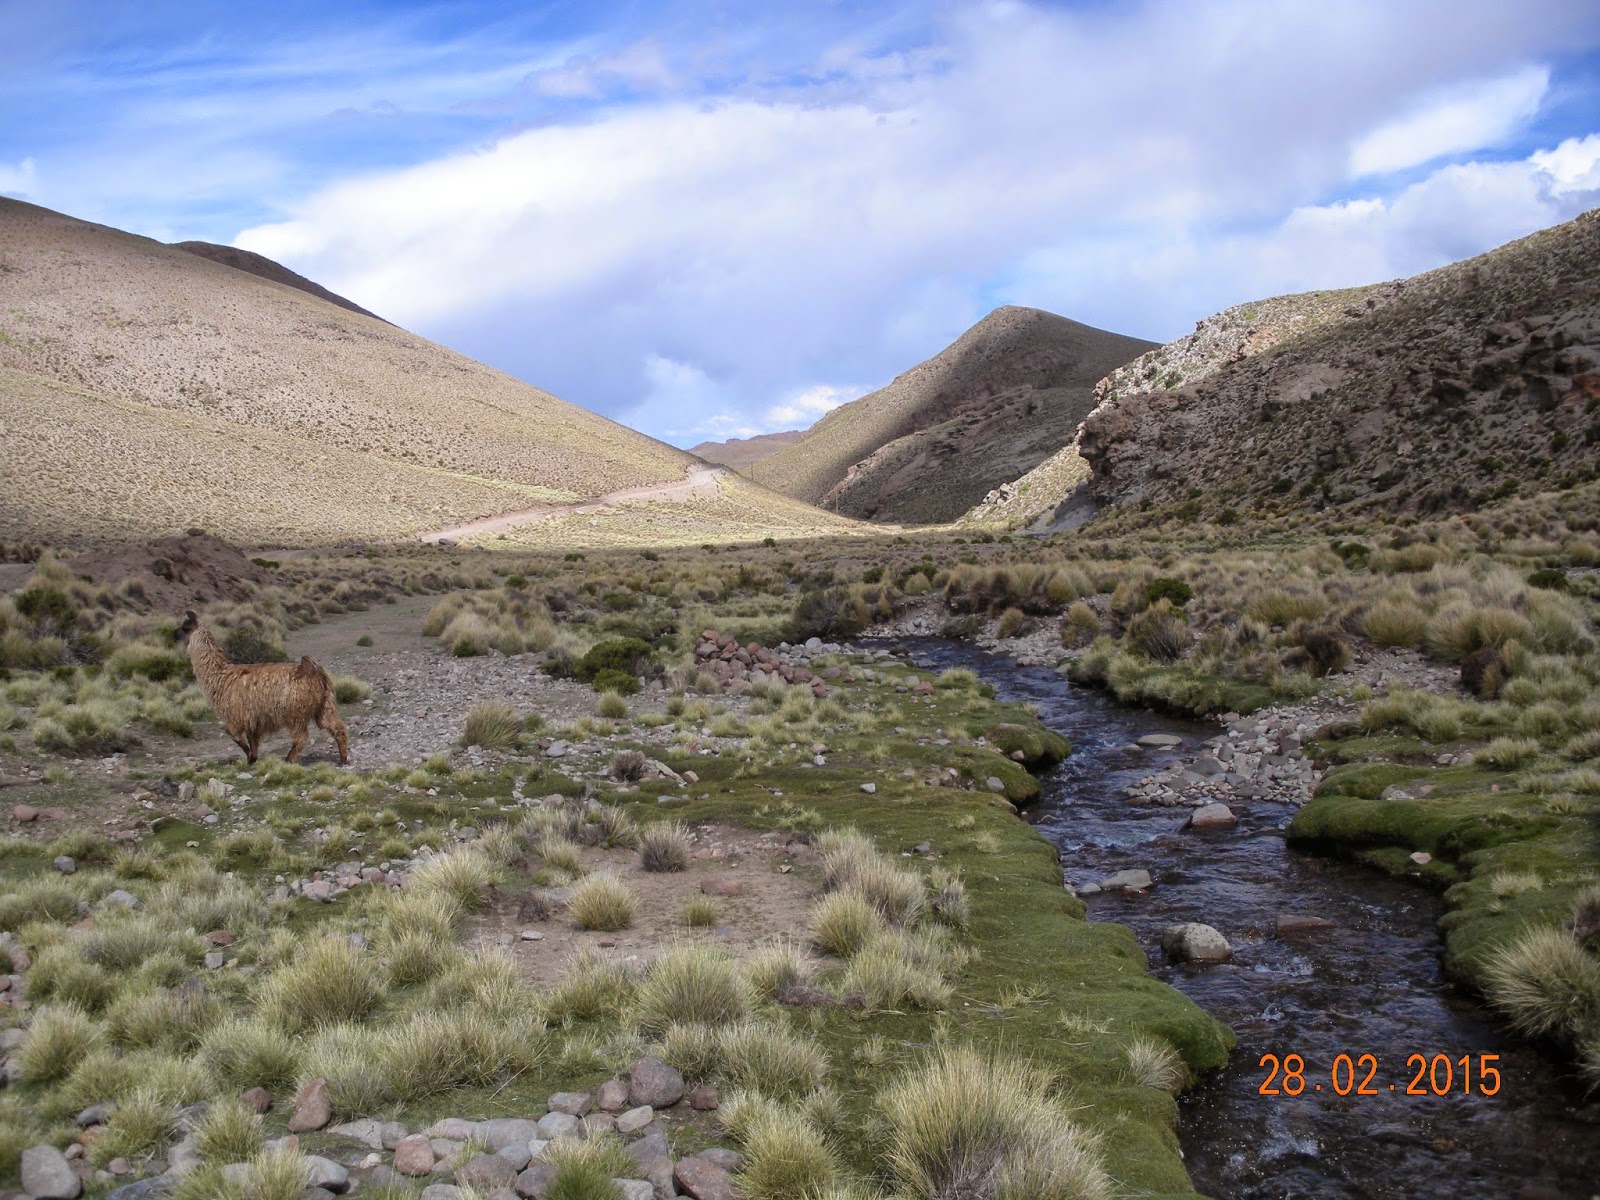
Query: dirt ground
742	872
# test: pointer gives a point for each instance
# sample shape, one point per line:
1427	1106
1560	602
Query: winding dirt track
698	481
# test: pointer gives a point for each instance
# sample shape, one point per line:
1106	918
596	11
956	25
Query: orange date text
1362	1075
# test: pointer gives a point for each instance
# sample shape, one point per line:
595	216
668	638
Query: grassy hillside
741	453
333	401
996	402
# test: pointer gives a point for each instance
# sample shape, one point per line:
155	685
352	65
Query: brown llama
255	699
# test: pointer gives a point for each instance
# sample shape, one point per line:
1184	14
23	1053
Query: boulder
612	1096
485	1172
47	1175
312	1108
574	1104
1128	881
1195	943
413	1156
1212	816
501	1132
704	1180
326	1174
653	1082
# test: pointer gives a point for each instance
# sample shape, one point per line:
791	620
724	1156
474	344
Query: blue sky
707	219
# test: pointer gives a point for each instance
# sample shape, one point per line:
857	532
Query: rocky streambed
1321	960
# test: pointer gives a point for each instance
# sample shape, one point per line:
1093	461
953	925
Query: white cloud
802	408
19	180
850	225
1463	119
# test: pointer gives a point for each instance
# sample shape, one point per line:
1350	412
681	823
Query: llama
255	699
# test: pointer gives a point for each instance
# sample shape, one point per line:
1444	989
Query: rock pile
1256	758
721	655
502	1158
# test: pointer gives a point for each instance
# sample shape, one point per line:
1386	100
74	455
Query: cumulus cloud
687	263
18	180
1468	118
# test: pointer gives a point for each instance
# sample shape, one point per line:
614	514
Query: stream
1370	983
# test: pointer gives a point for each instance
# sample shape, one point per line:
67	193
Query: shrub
664	846
603	903
1551	578
887	972
830	613
584	1170
349	690
1546	982
1396	623
1508	753
1013	623
617	682
631	656
692	983
973	1126
250	644
1326	652
1175	591
494	726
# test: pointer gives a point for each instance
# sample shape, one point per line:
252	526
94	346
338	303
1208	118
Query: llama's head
191	622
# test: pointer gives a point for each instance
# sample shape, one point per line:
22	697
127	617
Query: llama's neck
207	658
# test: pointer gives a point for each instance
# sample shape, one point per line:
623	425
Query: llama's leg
297	745
328	718
252	750
244	744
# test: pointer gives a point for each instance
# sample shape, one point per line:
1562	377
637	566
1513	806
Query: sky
712	219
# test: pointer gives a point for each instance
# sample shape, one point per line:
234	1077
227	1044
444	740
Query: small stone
653	1082
574	1104
1422	858
703	1098
47	1175
635	1119
612	1096
501	1132
704	1180
22	814
518	1156
393	1134
536	1181
442	1191
531	935
635	1189
721	885
729	1160
95	1114
1128	881
257	1099
869	788
558	1125
557	749
122	899
145	1189
1212	816
995	784
1160	741
1195	943
1288	923
486	1172
326	1174
453	1128
366	1131
312	1108
598	1125
213	959
413	1156
64	863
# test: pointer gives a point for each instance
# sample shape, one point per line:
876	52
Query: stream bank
1368	982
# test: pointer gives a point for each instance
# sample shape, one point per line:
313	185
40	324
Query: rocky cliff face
1450	389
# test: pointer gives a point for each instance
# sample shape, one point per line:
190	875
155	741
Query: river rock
1195	943
704	1180
485	1173
1422	858
1212	816
326	1174
612	1096
414	1156
47	1175
1293	923
501	1132
535	1182
1137	880
312	1108
653	1082
1160	741
575	1104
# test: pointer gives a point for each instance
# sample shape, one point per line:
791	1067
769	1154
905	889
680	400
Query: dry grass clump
594	986
230	1132
843	922
61	1036
465	876
895	968
1547	984
603	903
248	1052
494	726
700	912
851	861
329	982
1508	753
786	1156
692	983
1153	1063
776	967
769	1058
664	846
971	1125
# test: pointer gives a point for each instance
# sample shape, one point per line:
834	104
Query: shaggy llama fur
253	700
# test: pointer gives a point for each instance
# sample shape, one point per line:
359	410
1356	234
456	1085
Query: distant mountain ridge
1001	398
740	453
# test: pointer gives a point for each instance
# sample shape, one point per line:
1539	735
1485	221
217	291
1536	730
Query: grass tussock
1546	983
329	982
664	846
972	1125
692	983
603	903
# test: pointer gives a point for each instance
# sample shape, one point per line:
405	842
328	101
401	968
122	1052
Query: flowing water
1368	984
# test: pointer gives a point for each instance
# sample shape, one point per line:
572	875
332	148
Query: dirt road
698	481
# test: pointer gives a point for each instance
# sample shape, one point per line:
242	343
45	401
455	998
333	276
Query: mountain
1450	389
1436	393
145	389
1006	394
740	453
263	267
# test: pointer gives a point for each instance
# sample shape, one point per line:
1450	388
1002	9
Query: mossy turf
1042	982
1478	826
